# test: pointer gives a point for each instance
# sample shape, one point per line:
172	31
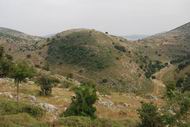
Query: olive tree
46	83
21	71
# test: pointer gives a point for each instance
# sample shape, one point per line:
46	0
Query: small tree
149	116
5	67
5	63
83	101
186	83
46	84
21	71
1	52
170	90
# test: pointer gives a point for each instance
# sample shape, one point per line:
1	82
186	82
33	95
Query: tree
5	63
46	84
5	67
83	101
186	83
21	71
1	52
149	115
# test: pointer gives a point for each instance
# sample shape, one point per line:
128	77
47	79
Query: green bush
170	90
149	116
83	101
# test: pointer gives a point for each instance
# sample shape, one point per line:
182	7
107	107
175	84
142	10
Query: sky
118	17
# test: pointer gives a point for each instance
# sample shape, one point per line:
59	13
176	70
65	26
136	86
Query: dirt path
159	85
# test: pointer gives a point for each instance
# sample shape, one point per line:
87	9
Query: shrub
82	102
28	56
46	84
149	116
170	90
120	48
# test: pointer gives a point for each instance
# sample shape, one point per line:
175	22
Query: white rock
7	94
48	107
32	98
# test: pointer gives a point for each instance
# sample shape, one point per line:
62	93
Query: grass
20	120
8	107
74	121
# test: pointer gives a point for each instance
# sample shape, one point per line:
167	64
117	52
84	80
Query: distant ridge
135	37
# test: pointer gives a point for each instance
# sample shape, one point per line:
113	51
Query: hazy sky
120	17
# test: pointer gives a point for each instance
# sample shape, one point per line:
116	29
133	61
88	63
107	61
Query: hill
172	47
110	61
95	56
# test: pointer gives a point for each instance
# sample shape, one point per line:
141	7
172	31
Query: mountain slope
111	61
95	56
172	47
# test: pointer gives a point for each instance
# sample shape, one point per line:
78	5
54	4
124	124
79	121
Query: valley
126	75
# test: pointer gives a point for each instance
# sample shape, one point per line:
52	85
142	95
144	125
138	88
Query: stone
32	98
48	107
7	94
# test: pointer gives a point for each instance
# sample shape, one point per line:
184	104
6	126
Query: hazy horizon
119	17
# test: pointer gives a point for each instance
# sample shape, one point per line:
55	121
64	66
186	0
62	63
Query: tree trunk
17	85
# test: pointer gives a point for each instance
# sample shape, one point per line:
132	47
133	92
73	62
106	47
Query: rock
32	98
7	94
171	112
152	97
126	105
106	103
30	83
48	107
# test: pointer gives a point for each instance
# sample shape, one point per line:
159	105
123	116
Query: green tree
186	83
46	84
5	67
149	116
1	52
83	101
20	72
5	63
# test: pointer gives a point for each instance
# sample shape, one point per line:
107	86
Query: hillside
172	47
95	56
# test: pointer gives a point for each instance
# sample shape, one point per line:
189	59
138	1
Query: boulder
48	107
32	98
